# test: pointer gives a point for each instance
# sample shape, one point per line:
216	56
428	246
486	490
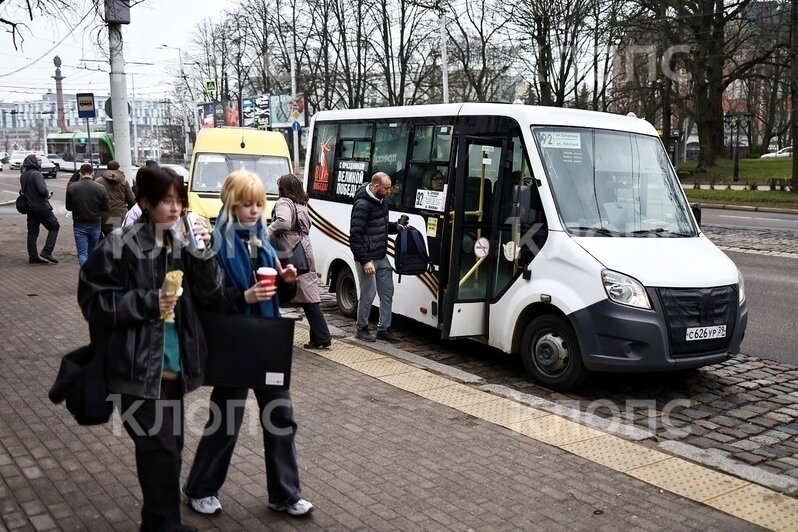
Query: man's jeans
380	283
86	239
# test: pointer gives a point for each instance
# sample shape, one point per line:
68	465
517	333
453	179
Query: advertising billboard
285	110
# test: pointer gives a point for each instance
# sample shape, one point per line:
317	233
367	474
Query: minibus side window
391	141
352	160
429	165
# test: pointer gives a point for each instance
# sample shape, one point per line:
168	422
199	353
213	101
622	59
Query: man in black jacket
40	212
368	240
88	201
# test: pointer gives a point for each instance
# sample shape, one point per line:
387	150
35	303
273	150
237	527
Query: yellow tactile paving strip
742	499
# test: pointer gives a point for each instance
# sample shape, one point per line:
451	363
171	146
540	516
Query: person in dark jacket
240	241
368	240
120	197
31	182
151	361
88	201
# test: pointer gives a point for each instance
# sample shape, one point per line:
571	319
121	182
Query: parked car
49	169
784	152
181	171
15	161
4	157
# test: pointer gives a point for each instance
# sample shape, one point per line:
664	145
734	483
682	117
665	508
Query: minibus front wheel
551	355
346	293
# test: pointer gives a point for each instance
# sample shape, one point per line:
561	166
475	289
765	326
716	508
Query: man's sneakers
388	336
364	335
298	509
49	257
36	260
206	505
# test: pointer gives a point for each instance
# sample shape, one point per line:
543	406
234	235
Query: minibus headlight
625	290
740	287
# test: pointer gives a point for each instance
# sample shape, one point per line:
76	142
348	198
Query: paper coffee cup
266	275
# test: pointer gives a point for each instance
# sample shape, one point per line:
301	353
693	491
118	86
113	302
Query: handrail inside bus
472	271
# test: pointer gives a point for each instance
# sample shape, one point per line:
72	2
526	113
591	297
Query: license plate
705	333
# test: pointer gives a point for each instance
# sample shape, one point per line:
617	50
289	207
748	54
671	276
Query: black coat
31	182
118	294
369	227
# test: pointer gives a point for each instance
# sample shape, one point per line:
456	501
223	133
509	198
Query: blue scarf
232	252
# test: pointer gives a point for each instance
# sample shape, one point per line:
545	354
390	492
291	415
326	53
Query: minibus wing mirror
696	208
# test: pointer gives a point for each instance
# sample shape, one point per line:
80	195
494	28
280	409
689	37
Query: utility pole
117	12
133	121
295	132
794	89
444	53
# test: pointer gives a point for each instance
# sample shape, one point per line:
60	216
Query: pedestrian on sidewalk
88	201
40	212
239	239
120	197
151	337
135	212
368	239
291	225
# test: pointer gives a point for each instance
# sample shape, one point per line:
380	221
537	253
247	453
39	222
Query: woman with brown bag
291	225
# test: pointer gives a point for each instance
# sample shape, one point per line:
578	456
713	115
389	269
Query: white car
181	171
15	161
784	152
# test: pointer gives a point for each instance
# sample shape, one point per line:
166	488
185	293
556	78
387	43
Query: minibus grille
698	307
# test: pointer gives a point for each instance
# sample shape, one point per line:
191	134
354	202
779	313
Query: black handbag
248	351
81	383
22	203
295	256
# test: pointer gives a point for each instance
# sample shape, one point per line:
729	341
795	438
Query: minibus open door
471	233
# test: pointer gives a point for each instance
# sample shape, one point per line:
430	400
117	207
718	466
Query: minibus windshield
211	169
611	183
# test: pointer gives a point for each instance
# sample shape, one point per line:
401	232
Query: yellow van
220	151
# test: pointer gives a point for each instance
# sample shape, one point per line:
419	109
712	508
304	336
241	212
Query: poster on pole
284	110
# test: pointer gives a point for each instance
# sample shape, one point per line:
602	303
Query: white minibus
560	235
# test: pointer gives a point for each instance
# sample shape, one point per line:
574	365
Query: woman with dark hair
150	335
290	225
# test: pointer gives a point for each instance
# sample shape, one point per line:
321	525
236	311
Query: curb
713	460
749	208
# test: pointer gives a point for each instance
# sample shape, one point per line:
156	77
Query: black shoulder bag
22	202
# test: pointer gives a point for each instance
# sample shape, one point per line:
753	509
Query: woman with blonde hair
239	240
291	225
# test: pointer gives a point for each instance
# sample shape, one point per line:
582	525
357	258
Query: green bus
73	148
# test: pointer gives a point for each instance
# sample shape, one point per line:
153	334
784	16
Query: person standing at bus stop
40	212
120	197
368	239
87	200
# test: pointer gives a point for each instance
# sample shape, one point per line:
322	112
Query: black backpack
411	253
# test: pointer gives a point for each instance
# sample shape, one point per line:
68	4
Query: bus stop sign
86	108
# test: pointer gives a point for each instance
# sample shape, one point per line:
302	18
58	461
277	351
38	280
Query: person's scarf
232	244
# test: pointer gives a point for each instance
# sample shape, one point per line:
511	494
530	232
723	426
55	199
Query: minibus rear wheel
551	355
346	293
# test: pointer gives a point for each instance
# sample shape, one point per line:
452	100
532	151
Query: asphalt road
746	219
771	287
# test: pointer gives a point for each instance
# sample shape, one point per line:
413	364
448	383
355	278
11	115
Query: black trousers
215	449
157	433
319	332
50	222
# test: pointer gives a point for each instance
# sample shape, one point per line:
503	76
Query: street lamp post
735	120
183	101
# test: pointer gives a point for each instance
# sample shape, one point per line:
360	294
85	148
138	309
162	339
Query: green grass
756	198
760	171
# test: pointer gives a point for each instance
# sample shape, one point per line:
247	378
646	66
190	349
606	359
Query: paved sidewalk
379	447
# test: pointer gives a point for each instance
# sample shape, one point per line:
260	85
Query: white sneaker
206	505
298	509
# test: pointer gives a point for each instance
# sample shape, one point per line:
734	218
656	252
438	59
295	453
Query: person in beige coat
120	197
291	224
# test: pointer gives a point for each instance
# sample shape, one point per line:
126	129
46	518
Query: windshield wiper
602	231
659	231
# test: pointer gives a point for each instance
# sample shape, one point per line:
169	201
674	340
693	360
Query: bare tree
481	49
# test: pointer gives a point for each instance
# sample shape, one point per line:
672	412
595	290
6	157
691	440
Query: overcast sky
153	23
